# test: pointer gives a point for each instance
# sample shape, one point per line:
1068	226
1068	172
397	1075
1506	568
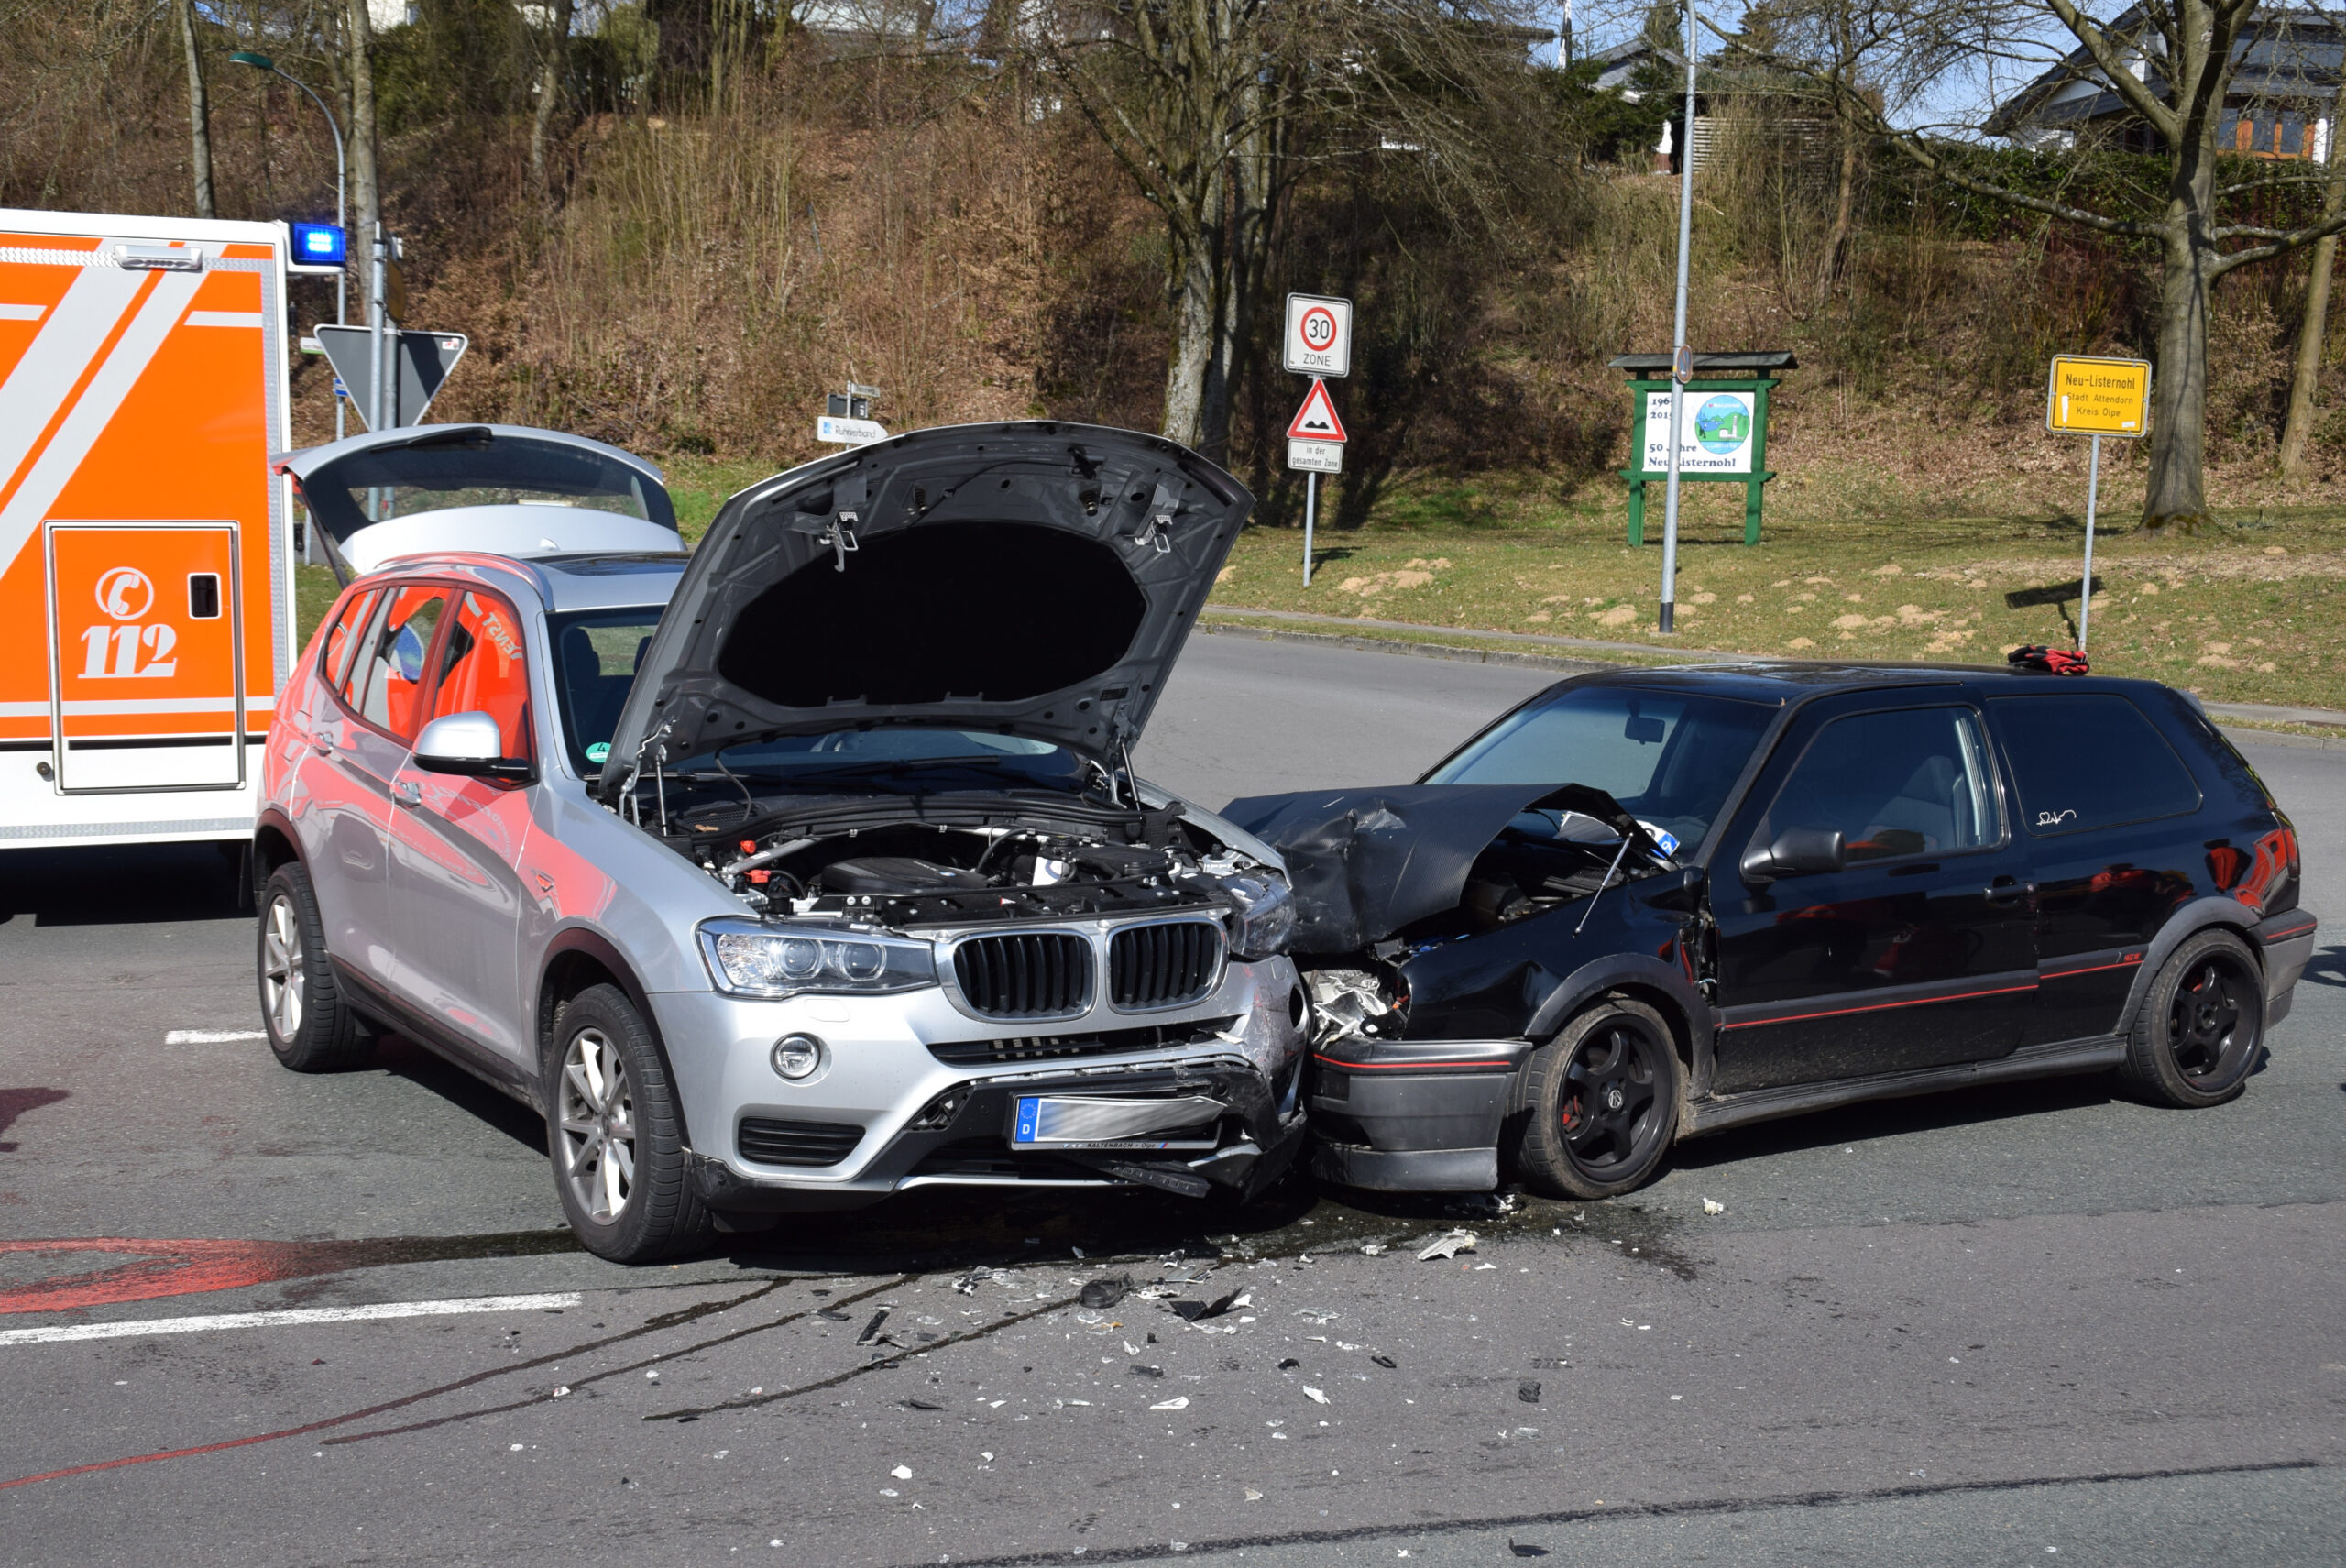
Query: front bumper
897	1113
1413	1116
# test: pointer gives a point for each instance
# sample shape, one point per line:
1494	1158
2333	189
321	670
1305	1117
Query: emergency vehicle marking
252	319
22	313
126	594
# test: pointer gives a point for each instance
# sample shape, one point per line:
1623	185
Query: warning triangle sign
1316	419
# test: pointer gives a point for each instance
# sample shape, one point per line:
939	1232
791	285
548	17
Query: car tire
1597	1106
310	1026
2200	1031
615	1136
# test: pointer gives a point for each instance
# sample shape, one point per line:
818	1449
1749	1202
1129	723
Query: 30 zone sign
1318	335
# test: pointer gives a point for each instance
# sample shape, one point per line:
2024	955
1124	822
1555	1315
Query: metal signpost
2097	397
1681	365
846	418
1318	344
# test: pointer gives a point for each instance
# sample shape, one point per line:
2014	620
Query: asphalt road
2024	1324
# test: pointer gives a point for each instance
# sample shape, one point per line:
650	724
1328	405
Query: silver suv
800	871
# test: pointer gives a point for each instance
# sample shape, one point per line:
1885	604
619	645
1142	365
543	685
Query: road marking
211	1036
63	1333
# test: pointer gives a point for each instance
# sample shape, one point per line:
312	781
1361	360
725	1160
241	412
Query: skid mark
158	1268
655	1325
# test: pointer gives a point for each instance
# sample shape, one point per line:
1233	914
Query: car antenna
1601	886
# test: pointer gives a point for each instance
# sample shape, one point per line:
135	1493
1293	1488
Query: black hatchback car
1652	903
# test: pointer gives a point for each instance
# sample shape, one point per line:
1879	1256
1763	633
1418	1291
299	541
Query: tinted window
1915	782
1669	757
594	655
2089	760
482	671
391	675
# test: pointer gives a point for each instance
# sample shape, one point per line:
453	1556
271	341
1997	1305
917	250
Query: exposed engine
916	869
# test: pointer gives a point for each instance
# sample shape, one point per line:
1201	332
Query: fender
2192	917
272	820
590	943
1613	970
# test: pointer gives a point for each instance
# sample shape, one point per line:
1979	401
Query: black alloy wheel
1597	1106
2200	1031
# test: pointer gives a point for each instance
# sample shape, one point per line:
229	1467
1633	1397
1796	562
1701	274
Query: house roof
2283	56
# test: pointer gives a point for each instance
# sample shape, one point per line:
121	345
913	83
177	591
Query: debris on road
1386	1362
1712	1206
1177	1402
1528	1390
1286	1362
1107	1292
1316	1396
1196	1312
902	1472
1373	1249
1449	1246
872	1329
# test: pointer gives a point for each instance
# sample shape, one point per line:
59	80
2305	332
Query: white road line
211	1036
63	1333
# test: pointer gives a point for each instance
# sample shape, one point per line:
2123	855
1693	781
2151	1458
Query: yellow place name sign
2098	397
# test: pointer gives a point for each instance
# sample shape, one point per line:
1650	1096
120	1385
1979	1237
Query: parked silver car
805	869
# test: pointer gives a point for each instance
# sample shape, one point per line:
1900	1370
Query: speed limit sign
1318	335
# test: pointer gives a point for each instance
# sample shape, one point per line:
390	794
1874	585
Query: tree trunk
2178	491
199	114
1836	243
366	190
2311	331
552	77
1194	395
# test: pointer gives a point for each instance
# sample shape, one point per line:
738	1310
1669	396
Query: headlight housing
747	958
1263	919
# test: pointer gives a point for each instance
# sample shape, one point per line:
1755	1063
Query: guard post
1727	440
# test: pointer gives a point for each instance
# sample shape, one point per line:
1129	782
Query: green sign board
1724	439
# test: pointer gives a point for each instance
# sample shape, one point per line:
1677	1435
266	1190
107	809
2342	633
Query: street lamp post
1681	365
341	217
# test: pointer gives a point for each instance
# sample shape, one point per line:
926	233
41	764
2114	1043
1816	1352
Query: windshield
1670	758
478	470
595	655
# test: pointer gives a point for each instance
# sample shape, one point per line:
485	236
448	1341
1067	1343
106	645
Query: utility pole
1681	362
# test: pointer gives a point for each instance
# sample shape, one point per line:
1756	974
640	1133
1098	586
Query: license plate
1053	1121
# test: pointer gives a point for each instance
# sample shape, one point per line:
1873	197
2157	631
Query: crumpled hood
1367	863
1034	579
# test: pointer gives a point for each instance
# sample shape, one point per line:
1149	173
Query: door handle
323	745
2005	891
406	791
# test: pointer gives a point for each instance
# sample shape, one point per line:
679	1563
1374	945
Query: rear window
2090	760
473	469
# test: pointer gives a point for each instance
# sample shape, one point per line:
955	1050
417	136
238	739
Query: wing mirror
468	744
1797	852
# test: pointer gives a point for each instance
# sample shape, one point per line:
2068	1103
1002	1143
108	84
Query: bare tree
1215	107
358	52
199	114
2168	65
553	76
2313	328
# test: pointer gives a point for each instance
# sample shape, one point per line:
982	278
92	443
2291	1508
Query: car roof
562	583
1788	682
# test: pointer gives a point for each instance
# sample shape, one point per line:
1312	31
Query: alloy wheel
597	1117
2204	1022
1609	1110
284	969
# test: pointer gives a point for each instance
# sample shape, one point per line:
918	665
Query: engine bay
935	862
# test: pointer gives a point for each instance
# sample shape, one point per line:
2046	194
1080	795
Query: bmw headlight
752	959
1264	917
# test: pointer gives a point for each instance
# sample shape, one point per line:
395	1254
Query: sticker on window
599	752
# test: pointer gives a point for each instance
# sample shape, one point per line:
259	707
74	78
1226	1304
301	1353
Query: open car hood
1367	863
1034	579
501	490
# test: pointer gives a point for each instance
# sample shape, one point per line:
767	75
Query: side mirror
470	745
1797	852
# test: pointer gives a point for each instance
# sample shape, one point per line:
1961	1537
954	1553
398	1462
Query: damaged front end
1439	930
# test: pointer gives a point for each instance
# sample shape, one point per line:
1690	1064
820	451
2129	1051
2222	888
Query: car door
2108	815
1919	953
388	683
457	902
320	793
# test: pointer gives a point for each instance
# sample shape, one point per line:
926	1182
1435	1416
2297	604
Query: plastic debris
832	1313
1373	1249
1712	1206
563	1392
1315	1395
1386	1362
1140	1371
890	1492
1528	1390
1286	1362
921	1405
902	1472
1177	1402
1195	1312
1525	1549
1449	1246
653	1377
1107	1292
872	1329
1252	1495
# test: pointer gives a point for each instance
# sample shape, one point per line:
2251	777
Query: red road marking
160	1268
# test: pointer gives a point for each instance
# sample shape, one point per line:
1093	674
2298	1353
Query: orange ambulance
146	567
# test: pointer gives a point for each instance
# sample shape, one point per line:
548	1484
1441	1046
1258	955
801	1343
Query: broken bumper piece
1413	1116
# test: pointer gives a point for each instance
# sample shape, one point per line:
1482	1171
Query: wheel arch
1638	977
2199	915
576	959
274	845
